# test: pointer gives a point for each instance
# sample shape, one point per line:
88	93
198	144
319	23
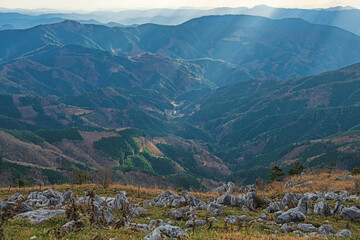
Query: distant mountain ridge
343	17
287	48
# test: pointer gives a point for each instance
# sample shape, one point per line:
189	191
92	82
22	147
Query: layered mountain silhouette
287	48
343	17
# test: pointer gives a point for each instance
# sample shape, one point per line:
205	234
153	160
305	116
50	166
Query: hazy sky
126	4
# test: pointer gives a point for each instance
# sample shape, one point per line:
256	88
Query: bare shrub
104	177
260	184
91	208
71	210
260	202
122	216
357	186
324	187
82	177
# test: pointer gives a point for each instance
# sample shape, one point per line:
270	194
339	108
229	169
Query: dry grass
322	181
247	236
135	193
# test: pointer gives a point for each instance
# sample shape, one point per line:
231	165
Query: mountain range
243	40
343	17
217	97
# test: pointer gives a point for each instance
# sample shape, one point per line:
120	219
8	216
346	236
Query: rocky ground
223	214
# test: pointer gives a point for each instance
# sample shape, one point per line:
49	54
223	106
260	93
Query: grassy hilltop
321	181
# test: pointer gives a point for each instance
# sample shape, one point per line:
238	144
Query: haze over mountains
215	97
343	17
284	52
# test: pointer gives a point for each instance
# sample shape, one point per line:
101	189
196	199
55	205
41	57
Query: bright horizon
95	5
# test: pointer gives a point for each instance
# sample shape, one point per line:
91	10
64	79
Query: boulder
166	232
99	200
300	234
36	195
216	209
286	228
338	208
235	219
311	196
293	215
40	215
304	206
322	208
6	206
70	226
142	227
67	227
52	193
314	234
273	207
176	215
193	201
344	195
350	213
168	198
119	201
227	188
198	223
153	224
278	213
331	195
326	229
191	214
165	199
67	196
230	188
37	199
16	196
245	209
54	201
247	188
224	200
352	198
184	209
108	215
263	216
289	184
250	199
306	227
37	202
291	199
212	219
344	178
26	208
343	233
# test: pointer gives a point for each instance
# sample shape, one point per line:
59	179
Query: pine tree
297	168
355	171
276	173
331	167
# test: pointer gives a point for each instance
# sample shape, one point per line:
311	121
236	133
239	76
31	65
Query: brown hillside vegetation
203	157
